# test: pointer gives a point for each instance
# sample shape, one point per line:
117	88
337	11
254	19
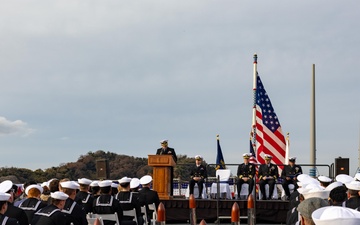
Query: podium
162	165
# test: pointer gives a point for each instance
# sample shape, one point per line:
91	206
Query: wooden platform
271	211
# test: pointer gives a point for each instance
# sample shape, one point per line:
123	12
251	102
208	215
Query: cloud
16	127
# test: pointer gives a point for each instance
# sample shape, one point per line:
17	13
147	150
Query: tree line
85	166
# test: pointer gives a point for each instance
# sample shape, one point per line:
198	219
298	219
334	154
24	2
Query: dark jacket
30	206
86	200
49	215
8	220
17	213
74	212
246	170
161	151
271	171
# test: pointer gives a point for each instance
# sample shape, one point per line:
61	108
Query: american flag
269	137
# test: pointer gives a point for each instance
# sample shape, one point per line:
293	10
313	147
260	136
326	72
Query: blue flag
220	163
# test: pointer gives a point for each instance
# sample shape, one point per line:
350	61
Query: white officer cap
247	155
5	186
335	215
84	181
324	179
105	183
292	159
353	185
124	180
267	156
333	185
70	185
95	183
198	157
344	178
163	141
59	195
4	197
33	186
145	179
134	183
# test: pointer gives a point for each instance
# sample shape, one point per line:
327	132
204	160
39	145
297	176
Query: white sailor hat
267	156
145	179
5	186
59	195
114	185
331	215
4	197
344	178
198	157
164	141
357	176
324	179
95	183
316	192
247	155
105	183
134	183
353	185
333	185
124	180
292	159
45	184
70	185
33	186
84	181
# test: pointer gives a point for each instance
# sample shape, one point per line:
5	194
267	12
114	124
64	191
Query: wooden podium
161	174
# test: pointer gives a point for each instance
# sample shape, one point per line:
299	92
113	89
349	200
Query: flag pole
287	148
254	104
312	171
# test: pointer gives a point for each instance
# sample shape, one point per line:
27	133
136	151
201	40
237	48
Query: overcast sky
79	76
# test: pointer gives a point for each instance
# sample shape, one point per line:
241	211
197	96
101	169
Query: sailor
106	203
331	215
5	220
135	185
114	188
51	214
128	201
307	207
324	181
268	174
75	213
12	211
95	189
353	201
245	173
83	197
148	196
32	203
289	175
197	176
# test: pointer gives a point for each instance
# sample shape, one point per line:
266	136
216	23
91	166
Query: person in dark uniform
197	176
95	189
83	197
353	192
106	203
165	150
245	173
268	174
148	196
289	176
74	212
135	185
32	203
128	200
51	214
13	211
5	220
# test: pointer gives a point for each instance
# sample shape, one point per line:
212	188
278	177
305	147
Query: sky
119	76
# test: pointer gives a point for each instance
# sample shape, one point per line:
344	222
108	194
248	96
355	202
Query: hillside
85	166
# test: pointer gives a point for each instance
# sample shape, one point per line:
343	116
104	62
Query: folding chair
110	217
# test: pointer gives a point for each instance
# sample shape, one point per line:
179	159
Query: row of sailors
71	201
324	201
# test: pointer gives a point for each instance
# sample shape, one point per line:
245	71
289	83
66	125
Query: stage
270	211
